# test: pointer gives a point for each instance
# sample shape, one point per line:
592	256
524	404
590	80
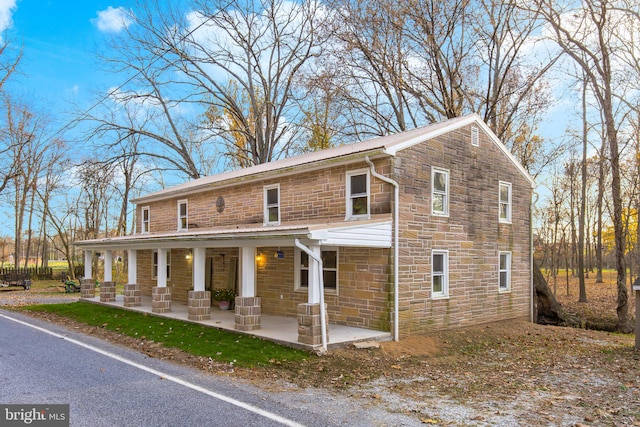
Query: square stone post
132	295
108	292
309	325
87	288
248	312
160	299
199	305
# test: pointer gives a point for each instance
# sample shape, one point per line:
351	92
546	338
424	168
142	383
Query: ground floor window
505	271
329	269
439	274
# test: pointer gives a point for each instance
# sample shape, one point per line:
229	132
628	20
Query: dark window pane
503	280
304	259
329	259
359	184
437	284
272	196
273	214
183	209
359	206
503	262
304	278
440	181
330	279
438	263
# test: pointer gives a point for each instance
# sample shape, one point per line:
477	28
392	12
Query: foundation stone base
248	312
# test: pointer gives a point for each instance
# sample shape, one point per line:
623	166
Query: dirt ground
502	374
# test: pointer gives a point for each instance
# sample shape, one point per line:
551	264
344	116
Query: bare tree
588	34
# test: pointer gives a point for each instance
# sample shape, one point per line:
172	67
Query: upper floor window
329	269
358	194
439	274
183	218
505	201
272	204
154	268
505	272
145	220
439	192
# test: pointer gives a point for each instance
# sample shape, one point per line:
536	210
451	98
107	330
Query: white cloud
113	20
7	8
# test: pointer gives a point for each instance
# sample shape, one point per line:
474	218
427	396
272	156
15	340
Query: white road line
243	405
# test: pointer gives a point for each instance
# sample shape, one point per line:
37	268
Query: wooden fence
37	273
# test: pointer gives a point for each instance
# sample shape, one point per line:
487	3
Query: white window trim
297	259
154	264
445	286
146	225
266	206
350	214
447	192
185	202
508	271
506	220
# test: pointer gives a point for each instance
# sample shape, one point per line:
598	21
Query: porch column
247	306
161	295
309	314
199	299
132	293
87	284
88	259
108	266
314	277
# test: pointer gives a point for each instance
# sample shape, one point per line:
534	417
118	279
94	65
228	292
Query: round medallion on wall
220	204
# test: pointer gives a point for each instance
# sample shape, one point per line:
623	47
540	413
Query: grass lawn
239	349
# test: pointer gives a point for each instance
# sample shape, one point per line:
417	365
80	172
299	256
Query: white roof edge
459	122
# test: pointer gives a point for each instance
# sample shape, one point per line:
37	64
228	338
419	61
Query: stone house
425	230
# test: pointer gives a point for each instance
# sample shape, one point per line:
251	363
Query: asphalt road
109	385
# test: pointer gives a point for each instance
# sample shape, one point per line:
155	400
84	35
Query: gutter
323	313
396	250
531	250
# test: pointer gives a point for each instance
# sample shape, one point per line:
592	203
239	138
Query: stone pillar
199	305
108	292
248	311
309	326
87	288
160	299
132	295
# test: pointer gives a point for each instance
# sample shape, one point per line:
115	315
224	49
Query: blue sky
60	40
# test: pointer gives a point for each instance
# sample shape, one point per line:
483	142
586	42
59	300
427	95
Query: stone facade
471	234
108	292
132	295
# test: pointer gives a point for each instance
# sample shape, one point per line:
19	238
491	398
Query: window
154	269
358	194
440	192
505	201
475	136
145	219
439	274
329	269
272	204
183	219
505	272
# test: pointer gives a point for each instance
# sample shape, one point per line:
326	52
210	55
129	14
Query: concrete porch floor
281	329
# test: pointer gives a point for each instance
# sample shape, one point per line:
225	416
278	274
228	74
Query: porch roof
373	232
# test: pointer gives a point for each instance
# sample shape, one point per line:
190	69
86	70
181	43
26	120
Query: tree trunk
548	309
583	197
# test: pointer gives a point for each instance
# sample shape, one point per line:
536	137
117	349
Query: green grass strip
240	349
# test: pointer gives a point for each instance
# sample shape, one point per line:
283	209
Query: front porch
280	329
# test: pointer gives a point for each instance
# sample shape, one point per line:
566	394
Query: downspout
323	314
531	250
396	215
